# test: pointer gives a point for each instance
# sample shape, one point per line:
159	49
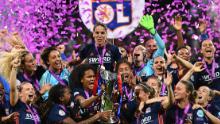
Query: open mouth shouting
200	97
58	64
208	52
91	85
31	97
125	77
159	68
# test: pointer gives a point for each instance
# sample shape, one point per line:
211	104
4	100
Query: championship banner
120	16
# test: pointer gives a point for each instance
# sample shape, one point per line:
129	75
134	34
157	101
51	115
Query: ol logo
120	16
200	113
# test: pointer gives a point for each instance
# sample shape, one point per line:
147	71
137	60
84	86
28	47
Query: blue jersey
47	77
57	114
27	113
158	52
151	114
141	72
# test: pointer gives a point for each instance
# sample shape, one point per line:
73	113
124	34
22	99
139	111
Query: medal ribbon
212	72
34	114
186	109
57	78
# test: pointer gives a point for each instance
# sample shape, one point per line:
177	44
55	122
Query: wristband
152	31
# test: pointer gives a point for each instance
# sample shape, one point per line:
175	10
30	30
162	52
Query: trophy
107	102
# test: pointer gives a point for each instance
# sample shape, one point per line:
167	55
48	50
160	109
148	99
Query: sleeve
57	114
17	106
43	80
160	44
77	92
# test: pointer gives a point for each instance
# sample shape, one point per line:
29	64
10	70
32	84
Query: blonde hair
5	62
6	58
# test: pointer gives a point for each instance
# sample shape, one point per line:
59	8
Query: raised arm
12	80
197	67
86	102
183	62
178	27
168	81
148	23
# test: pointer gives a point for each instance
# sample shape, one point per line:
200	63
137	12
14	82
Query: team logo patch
121	17
62	113
148	110
200	113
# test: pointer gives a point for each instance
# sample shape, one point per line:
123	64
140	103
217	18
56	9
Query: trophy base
111	120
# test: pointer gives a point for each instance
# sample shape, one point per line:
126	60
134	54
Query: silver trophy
107	102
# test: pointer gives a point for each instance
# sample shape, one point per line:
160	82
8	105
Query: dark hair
77	74
100	24
182	47
147	89
190	89
45	54
124	60
56	92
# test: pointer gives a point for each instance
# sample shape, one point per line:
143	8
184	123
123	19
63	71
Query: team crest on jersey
200	113
148	110
61	113
121	17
